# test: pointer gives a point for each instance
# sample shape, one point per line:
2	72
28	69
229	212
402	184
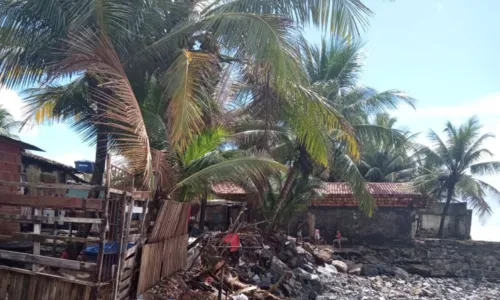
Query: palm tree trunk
101	151
285	190
203	210
445	212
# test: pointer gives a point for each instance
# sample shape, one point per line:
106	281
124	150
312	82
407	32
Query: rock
291	246
308	267
302	274
421	270
300	250
371	259
278	267
324	256
355	270
308	247
370	270
340	265
401	274
327	270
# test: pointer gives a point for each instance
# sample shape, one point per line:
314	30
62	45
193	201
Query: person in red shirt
338	239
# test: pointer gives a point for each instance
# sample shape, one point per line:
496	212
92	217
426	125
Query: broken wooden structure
43	226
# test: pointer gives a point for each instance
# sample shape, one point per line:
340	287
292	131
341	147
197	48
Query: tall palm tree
7	123
181	42
452	164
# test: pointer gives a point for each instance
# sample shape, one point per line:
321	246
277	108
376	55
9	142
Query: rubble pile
241	265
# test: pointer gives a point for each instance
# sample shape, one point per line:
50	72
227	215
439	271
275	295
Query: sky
441	52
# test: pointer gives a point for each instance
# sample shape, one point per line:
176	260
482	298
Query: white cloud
11	101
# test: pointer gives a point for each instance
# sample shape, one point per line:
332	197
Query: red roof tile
336	188
228	188
375	188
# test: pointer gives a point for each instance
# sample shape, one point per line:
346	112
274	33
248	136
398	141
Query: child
317	237
338	238
299	233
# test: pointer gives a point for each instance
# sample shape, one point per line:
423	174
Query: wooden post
143	230
36	230
121	235
105	222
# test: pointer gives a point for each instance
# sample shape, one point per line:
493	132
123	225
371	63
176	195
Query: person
338	239
299	232
317	237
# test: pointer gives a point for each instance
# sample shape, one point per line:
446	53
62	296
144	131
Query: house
10	171
61	173
396	216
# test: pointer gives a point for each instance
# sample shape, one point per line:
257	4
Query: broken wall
457	223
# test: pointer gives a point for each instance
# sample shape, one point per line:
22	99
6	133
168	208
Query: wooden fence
166	251
43	269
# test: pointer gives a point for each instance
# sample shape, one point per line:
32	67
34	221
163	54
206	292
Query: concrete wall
387	225
457	223
10	170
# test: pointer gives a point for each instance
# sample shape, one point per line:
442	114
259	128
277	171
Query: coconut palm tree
388	162
7	123
451	167
120	45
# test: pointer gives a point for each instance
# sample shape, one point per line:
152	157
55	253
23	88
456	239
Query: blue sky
441	52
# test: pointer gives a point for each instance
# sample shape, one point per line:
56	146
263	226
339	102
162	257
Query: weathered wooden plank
125	283
49	261
39	274
88	291
23	236
75	291
40	201
141	195
119	192
130	251
33	287
5	278
93	204
124	294
53	185
127	273
150	271
51	220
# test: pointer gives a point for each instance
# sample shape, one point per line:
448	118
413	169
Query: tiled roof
375	188
336	188
228	188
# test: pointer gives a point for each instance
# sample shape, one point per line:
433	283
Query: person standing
299	232
317	237
338	239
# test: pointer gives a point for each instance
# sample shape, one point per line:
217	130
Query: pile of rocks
345	286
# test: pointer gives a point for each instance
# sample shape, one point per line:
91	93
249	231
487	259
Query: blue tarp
109	248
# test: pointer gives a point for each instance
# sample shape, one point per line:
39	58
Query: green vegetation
194	93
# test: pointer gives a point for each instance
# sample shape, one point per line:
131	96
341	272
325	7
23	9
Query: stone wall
386	224
445	258
457	223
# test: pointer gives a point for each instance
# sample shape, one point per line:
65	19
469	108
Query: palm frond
337	17
256	167
188	81
208	141
470	190
345	168
486	168
95	54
